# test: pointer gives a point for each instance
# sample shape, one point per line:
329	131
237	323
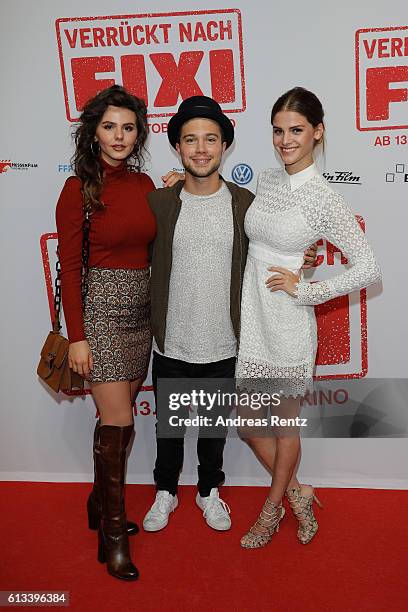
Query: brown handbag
53	368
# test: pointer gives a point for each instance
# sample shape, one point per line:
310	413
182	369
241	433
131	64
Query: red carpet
358	560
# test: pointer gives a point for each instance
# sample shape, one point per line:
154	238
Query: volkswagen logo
242	174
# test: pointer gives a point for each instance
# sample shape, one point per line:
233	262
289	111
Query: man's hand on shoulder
310	257
171	178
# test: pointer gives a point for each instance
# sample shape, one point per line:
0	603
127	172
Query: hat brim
175	123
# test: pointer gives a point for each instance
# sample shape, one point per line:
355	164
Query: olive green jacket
166	204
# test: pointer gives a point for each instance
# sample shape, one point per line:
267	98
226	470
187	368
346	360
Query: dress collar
113	171
294	181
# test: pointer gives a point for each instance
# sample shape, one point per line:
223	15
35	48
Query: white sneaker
215	511
158	515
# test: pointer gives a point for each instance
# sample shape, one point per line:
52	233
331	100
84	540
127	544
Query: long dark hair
86	161
302	101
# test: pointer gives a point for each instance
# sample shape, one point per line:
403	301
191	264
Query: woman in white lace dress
293	208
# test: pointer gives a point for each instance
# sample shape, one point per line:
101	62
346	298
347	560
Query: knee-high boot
113	542
94	503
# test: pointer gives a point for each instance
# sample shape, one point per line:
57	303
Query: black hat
195	107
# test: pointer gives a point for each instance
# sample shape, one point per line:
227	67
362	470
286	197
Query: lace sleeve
338	225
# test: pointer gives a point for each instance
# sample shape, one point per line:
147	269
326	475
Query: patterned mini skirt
117	323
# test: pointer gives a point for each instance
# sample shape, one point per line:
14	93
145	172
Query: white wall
44	437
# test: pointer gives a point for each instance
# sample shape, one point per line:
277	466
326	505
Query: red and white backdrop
56	56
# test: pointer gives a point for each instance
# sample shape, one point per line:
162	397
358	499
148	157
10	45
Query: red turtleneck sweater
119	234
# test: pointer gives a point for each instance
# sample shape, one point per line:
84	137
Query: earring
95	150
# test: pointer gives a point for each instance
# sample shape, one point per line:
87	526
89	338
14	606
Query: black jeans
170	451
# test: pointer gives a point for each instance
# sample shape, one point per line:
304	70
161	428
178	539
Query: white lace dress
278	332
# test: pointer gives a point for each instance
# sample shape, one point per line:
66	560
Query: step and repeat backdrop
55	56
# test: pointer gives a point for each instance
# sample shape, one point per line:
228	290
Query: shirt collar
294	181
221	191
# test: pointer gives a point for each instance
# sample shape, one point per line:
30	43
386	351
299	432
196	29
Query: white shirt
198	323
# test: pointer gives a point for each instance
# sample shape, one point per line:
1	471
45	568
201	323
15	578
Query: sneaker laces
163	503
217	506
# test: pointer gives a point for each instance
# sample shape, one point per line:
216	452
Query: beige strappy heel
266	525
302	508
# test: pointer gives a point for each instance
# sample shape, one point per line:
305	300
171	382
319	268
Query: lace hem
257	376
251	368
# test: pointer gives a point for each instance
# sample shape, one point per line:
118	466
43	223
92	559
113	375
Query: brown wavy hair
304	102
86	161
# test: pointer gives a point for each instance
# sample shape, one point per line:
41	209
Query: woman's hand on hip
282	280
80	358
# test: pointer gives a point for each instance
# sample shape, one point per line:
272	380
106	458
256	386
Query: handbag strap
86	226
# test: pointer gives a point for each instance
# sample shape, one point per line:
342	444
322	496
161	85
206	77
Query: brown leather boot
94	504
110	451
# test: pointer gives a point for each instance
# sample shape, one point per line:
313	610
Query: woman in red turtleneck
109	334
